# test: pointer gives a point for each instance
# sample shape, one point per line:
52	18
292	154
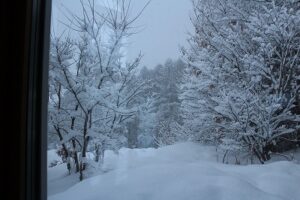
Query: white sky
164	23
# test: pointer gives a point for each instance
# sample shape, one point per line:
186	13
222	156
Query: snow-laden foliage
94	91
241	89
158	121
164	104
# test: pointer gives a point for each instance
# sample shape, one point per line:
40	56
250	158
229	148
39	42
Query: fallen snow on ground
184	171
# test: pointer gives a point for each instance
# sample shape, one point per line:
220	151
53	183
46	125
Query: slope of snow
184	171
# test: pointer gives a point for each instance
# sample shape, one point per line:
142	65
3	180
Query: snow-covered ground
184	171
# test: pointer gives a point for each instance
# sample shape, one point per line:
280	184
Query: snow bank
185	172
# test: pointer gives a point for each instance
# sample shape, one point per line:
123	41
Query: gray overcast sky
165	24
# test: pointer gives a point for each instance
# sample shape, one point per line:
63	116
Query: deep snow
184	171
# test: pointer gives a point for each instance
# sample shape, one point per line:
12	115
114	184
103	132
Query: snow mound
53	158
185	171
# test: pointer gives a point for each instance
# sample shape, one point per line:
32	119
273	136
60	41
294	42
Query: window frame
37	106
25	31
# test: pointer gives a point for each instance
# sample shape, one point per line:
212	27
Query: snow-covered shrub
242	85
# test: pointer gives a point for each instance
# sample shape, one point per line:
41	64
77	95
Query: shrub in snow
242	85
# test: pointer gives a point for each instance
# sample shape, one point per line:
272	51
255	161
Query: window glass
173	100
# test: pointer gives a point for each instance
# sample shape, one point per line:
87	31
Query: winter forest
223	117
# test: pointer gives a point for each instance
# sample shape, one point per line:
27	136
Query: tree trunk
75	156
66	153
84	147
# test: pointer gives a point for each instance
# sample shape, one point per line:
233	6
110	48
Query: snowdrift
184	171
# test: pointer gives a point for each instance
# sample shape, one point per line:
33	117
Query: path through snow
184	171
